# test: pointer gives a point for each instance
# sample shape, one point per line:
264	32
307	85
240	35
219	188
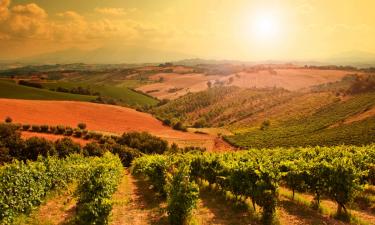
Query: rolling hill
9	89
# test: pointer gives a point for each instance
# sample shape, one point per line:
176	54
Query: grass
325	207
121	92
12	90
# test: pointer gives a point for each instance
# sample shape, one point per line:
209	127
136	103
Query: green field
120	92
10	89
317	129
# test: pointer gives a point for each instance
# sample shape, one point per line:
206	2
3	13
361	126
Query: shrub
265	124
10	138
52	129
82	126
167	122
5	156
200	123
35	128
60	129
97	136
179	126
8	119
66	146
30	84
68	132
93	149
26	127
38	146
126	154
44	128
144	142
77	133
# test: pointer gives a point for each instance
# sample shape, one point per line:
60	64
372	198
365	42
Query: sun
265	26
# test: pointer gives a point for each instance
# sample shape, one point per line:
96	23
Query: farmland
98	117
11	90
166	155
324	127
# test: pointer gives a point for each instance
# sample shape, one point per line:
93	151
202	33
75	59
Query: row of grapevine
337	173
96	189
243	175
170	176
23	186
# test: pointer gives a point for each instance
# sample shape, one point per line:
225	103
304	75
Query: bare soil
52	137
136	204
98	117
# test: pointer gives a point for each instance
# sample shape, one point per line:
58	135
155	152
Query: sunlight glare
265	26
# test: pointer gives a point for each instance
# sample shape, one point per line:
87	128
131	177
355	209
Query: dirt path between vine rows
58	209
136	204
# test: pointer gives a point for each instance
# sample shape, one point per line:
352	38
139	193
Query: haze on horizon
214	29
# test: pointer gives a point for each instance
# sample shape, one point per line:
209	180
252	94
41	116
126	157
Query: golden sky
215	29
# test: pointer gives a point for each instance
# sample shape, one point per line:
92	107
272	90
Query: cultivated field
290	79
174	85
98	117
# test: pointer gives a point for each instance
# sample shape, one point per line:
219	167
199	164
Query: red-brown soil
98	117
175	84
52	137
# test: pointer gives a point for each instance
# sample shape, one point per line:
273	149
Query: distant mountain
105	55
354	58
126	54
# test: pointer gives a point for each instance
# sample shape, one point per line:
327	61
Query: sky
211	29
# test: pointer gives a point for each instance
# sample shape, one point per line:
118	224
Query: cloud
29	10
22	21
111	11
4	11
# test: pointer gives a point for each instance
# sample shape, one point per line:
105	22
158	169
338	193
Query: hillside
220	106
9	89
331	114
98	117
325	127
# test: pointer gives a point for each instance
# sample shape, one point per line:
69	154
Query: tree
8	119
144	142
179	126
126	154
66	146
38	146
82	126
93	149
266	124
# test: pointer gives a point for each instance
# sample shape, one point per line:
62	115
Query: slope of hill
240	107
121	93
98	117
10	89
325	127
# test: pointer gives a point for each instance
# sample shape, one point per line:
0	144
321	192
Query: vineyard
257	180
255	176
24	186
324	127
220	106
